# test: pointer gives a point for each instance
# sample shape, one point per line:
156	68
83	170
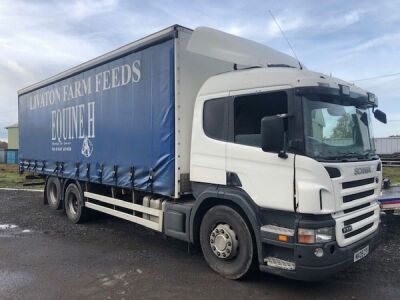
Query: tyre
226	242
74	205
53	193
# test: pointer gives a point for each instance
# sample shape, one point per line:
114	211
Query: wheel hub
73	204
53	192
223	241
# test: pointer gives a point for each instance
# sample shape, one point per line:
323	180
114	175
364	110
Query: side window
215	120
248	112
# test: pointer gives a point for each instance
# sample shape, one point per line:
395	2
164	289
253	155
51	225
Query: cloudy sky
348	39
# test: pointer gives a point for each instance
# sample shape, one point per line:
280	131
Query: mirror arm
285	115
283	153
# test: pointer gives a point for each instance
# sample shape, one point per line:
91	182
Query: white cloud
351	40
389	39
84	9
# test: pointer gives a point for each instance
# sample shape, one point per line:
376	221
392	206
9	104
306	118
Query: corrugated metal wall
11	156
8	156
388	145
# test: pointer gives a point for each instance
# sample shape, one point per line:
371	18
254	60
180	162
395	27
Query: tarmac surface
44	256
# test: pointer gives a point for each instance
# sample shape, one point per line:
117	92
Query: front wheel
226	242
74	206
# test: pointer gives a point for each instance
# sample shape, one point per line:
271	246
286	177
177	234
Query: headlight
315	236
324	235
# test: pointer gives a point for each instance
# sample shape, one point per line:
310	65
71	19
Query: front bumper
335	259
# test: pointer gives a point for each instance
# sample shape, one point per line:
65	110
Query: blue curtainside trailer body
111	124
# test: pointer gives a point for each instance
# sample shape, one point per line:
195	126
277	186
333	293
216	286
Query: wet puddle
12	230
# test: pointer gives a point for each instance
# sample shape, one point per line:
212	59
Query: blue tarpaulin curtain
134	126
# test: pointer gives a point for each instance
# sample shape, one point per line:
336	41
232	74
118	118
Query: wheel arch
235	198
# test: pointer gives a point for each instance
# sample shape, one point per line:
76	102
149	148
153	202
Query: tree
344	128
3	145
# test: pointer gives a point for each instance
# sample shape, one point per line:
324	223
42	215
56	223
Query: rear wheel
74	206
226	242
53	193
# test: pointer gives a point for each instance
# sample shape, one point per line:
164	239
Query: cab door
267	178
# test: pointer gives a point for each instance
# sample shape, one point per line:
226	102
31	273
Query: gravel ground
44	256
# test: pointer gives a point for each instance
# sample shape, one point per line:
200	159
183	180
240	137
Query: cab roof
280	77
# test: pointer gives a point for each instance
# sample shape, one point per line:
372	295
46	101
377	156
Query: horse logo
87	147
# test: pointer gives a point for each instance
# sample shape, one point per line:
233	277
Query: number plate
361	253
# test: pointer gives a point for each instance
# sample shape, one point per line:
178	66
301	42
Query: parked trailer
387	146
215	140
390	199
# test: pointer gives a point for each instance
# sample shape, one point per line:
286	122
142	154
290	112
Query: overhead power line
377	77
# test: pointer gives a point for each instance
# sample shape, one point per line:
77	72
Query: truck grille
357	196
358	231
358	219
355	183
356	225
358	211
349	210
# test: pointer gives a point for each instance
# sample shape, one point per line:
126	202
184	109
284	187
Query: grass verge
393	173
9	178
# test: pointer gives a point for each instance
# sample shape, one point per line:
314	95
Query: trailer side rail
155	225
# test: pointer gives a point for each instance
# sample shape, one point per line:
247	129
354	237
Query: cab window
250	109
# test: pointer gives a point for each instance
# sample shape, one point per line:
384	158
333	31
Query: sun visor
230	48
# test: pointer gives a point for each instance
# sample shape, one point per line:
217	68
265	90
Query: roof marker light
344	89
372	99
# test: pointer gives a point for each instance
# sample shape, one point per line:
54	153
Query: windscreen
335	129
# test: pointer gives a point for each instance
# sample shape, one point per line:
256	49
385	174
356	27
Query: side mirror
380	116
273	135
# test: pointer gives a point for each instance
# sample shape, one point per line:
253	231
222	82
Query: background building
11	154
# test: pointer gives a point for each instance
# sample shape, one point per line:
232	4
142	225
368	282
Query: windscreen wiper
365	154
369	154
327	158
352	154
342	157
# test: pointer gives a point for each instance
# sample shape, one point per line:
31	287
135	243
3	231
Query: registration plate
361	253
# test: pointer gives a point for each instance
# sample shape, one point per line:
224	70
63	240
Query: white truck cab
297	145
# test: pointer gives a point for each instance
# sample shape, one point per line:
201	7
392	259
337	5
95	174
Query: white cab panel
191	71
311	180
207	156
267	178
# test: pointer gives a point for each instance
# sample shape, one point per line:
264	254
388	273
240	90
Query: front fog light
319	252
